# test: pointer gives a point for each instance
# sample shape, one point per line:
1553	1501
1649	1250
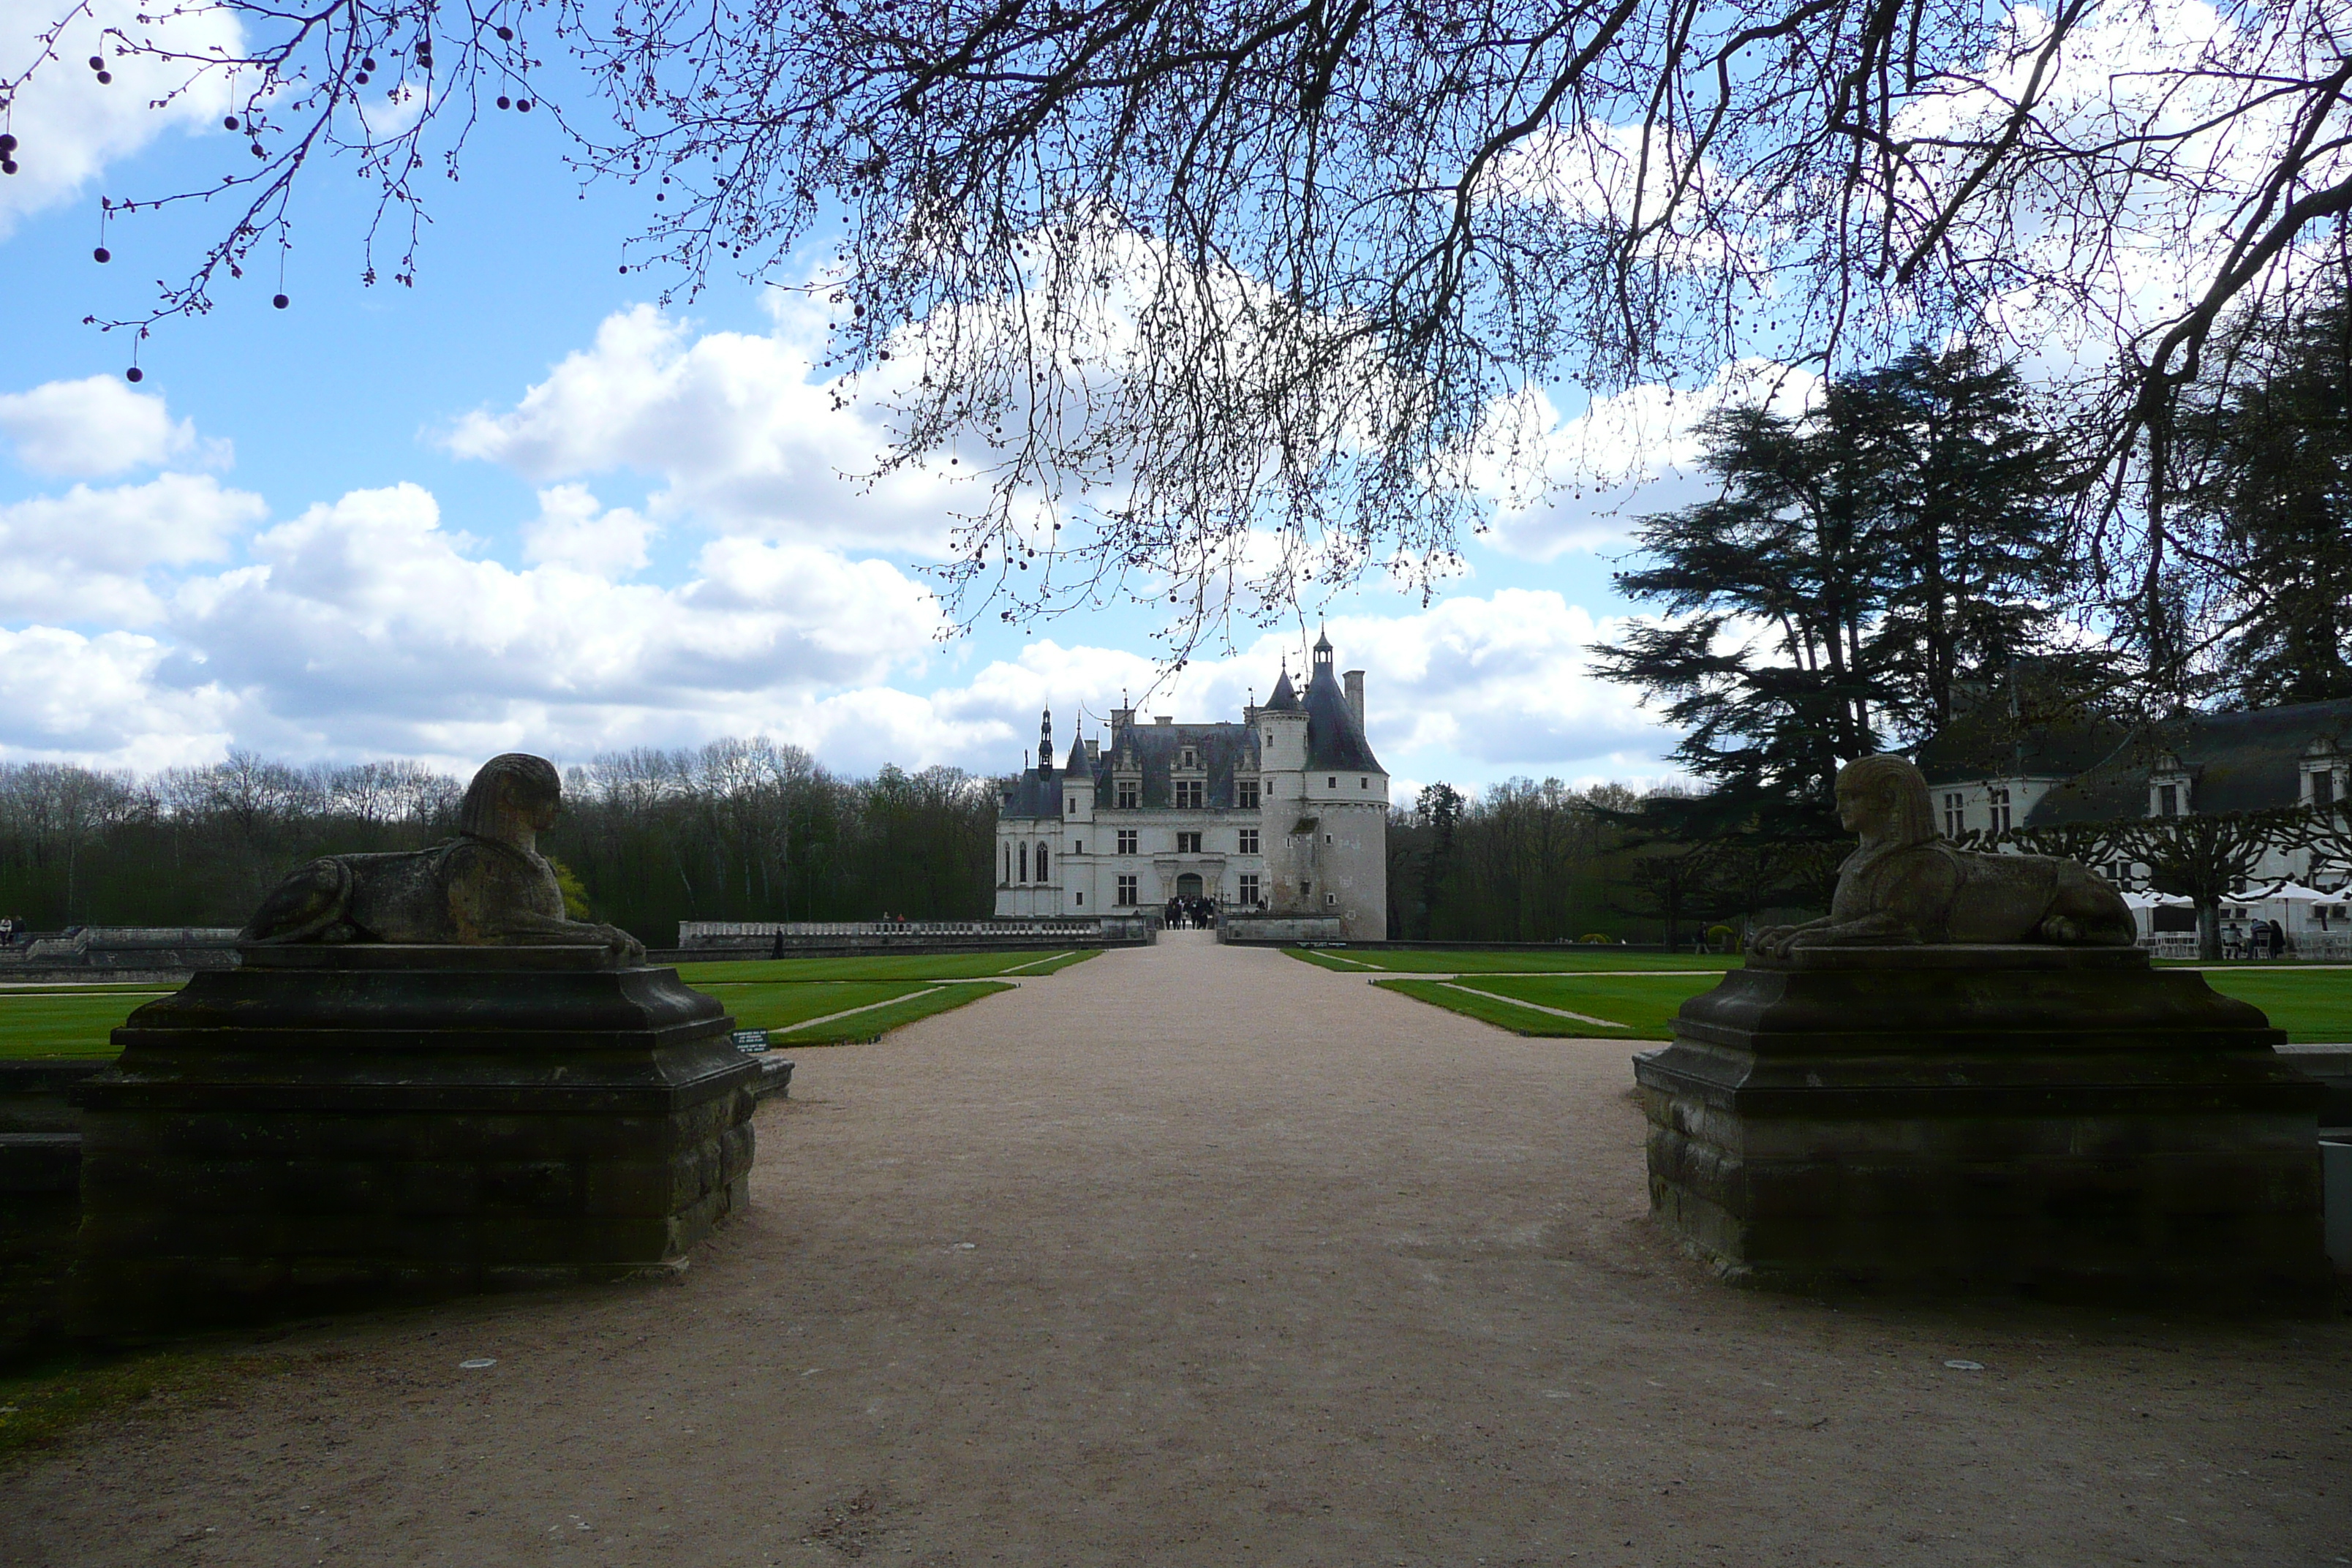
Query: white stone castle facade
1284	812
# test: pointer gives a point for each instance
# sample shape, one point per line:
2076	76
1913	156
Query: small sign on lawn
751	1039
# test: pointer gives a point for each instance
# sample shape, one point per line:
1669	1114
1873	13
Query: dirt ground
1201	1256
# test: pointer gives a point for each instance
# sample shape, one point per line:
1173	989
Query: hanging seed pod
280	301
102	255
97	63
505	35
367	62
104	77
524	104
360	77
134	374
229	122
504	102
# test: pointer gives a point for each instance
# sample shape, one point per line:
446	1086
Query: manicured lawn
64	1024
1563	960
859	1027
1642	1005
2312	1005
884	966
774	1006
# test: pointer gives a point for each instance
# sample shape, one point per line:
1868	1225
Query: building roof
1334	739
2235	762
1992	740
1285	696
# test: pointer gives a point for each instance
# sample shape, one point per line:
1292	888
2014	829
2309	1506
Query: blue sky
518	507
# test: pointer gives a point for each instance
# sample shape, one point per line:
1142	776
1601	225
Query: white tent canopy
2157	900
2293	893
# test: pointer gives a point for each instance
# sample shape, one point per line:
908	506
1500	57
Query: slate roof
1989	741
1334	739
2236	761
1285	696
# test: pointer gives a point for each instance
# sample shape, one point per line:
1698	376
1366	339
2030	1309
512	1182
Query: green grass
781	1006
1645	1005
860	1028
55	1023
1563	960
2312	1005
884	966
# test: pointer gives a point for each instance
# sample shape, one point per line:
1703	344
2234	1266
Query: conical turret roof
1284	698
1079	766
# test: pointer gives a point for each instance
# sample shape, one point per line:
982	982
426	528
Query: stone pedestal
337	1125
2064	1121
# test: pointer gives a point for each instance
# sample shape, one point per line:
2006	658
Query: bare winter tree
1215	297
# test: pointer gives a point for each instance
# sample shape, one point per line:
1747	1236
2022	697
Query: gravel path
1202	1256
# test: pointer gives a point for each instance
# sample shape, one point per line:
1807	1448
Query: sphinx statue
1903	884
489	886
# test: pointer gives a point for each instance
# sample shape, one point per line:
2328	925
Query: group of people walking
1191	914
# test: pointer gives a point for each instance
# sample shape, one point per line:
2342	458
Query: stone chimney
1354	679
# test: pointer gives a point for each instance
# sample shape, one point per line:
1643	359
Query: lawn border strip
1532	1007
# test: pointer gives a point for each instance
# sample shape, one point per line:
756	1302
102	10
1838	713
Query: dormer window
1191	759
1245	794
1130	794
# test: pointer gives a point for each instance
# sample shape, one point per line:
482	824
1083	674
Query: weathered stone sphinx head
487	886
1903	884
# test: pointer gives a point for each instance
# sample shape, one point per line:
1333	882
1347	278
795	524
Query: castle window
1041	862
1191	793
1078	847
1249	841
1363	782
2001	811
1008	862
1956	815
1130	794
1188	844
1082	900
1245	794
1024	862
1249	889
1331	899
1327	838
1127	889
2323	789
1330	784
1191	759
1073	803
1304	888
1126	840
2167	800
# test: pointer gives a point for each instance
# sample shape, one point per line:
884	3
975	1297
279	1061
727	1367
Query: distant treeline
734	830
757	830
1541	862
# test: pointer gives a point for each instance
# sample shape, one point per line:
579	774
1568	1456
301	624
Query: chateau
1286	811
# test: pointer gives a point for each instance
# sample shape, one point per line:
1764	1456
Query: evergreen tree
1859	557
2267	471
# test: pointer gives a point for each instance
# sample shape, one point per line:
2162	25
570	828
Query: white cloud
366	625
742	438
70	127
573	531
97	426
1625	456
88	556
95	700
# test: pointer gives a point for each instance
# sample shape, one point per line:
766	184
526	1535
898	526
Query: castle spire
1045	739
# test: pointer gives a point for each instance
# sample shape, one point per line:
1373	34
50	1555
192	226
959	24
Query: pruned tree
1221	297
2207	856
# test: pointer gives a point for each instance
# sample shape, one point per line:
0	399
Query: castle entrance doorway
1188	886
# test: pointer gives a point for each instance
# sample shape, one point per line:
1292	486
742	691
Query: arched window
1024	862
1041	862
1008	862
